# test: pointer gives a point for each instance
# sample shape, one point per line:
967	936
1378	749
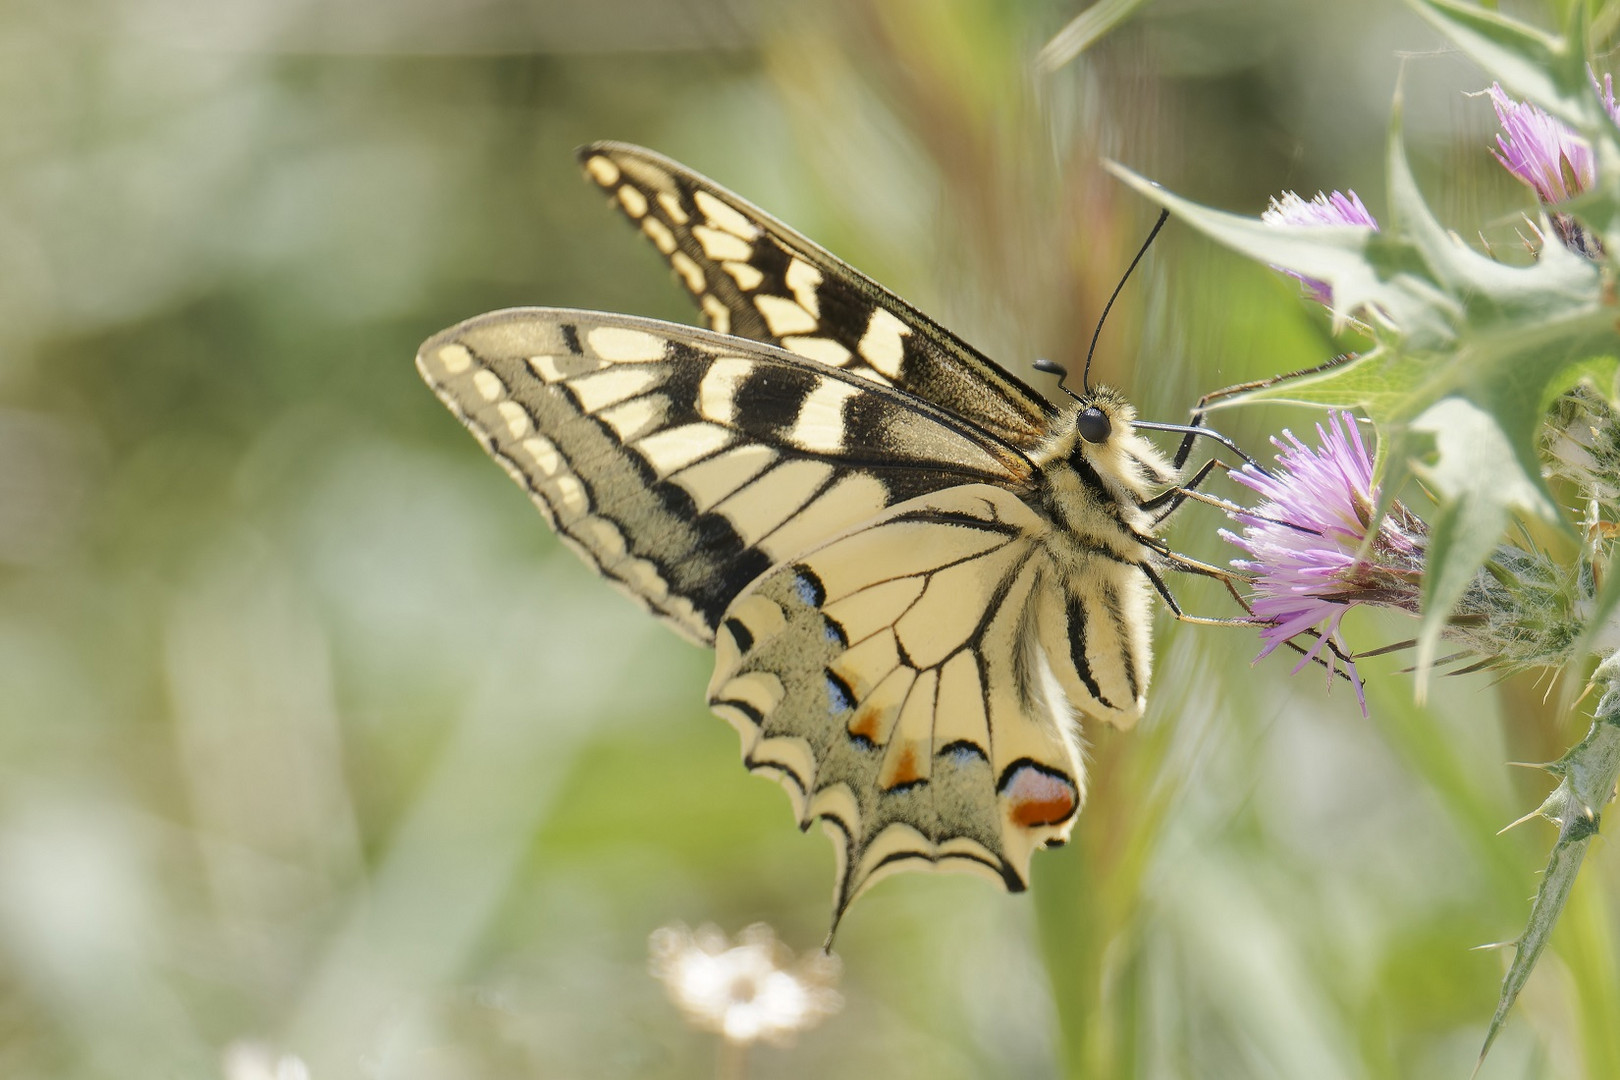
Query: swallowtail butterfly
915	571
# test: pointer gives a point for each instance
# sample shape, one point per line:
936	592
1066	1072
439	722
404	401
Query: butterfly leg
1171	499
1261	384
1184	451
1195	429
1174	498
1193	566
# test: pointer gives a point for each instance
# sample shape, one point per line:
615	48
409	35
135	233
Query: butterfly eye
1094	425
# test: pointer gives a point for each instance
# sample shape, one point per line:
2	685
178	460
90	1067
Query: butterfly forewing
682	464
754	277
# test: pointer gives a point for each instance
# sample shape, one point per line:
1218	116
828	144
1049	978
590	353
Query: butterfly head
1098	417
1097	434
1093	424
1095	414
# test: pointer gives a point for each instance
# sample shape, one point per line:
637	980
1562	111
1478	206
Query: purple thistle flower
1546	154
1339	208
1541	150
1305	542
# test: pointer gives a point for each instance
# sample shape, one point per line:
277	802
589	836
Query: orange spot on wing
905	768
1038	796
868	724
1051	811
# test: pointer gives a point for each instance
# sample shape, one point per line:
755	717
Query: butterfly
916	573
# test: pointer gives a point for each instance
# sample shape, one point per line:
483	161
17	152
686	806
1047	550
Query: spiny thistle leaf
1587	776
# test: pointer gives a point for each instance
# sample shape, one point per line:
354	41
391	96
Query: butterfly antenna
1085	380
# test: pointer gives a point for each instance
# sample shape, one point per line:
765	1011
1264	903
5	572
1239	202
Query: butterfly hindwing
754	277
897	680
683	465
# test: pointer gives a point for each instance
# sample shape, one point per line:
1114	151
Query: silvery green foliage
1485	380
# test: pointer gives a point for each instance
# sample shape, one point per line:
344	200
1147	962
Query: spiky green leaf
1587	776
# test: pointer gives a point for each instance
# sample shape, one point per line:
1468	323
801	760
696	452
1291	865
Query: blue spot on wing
962	753
840	699
808	586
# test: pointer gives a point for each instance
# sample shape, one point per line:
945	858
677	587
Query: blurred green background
311	733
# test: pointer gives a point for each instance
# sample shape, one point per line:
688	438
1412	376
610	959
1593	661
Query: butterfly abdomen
1092	494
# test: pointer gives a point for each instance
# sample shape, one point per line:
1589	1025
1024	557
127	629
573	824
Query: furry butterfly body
915	571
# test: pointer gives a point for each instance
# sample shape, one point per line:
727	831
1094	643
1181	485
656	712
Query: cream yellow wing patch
894	680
